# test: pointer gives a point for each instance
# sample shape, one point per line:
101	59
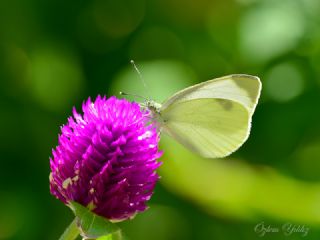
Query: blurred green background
54	54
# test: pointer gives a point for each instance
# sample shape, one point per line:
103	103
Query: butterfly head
155	113
153	106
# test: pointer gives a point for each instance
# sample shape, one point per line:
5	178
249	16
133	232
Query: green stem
71	232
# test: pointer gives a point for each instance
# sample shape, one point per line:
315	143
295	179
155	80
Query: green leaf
115	236
91	225
108	237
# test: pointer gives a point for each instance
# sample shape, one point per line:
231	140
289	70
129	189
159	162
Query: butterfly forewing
241	88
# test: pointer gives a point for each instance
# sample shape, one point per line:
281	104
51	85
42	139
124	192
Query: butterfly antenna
134	95
140	76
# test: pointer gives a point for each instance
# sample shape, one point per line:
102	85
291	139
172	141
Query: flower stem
71	231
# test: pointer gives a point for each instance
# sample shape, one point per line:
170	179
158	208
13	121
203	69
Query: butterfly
213	118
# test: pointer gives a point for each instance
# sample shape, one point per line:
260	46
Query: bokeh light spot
163	78
56	78
312	7
270	29
284	82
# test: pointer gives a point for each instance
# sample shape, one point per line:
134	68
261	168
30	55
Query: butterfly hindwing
210	127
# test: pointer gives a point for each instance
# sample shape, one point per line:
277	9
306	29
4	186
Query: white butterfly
213	118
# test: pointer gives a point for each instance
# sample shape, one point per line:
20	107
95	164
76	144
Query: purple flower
106	158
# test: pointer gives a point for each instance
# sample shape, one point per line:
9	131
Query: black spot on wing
226	104
246	85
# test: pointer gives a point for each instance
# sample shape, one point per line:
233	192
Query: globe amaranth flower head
106	158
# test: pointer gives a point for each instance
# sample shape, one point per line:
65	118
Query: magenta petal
106	157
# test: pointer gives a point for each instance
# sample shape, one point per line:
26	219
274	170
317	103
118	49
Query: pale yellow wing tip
233	76
239	75
242	75
256	78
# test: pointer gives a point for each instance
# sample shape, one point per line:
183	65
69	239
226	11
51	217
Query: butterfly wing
241	88
211	127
